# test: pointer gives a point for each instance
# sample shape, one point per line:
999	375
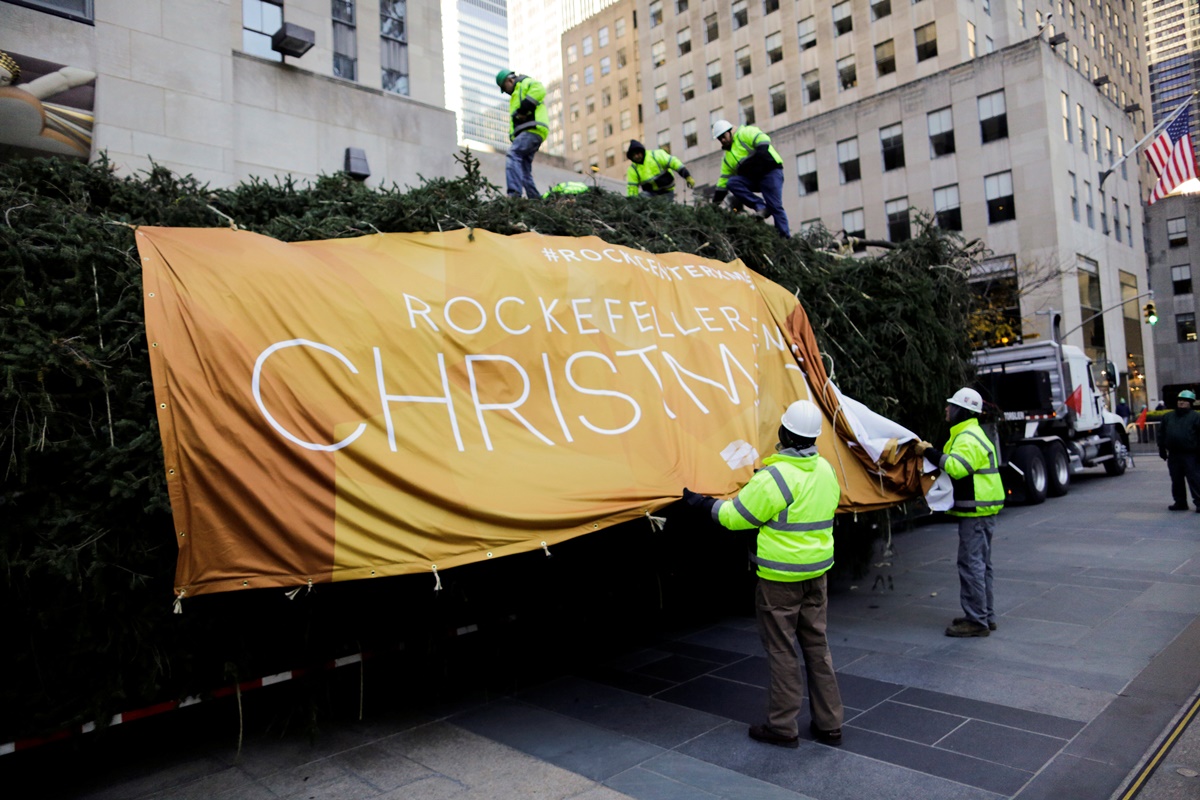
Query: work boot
761	213
957	620
1177	507
832	738
967	628
762	733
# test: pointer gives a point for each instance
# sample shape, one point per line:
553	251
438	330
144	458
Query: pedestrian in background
974	468
791	502
528	125
751	167
650	171
1123	411
1178	439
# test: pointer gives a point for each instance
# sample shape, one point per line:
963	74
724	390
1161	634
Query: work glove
719	196
1162	454
691	182
921	447
528	106
701	501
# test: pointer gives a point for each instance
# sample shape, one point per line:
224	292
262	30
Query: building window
1103	213
655	14
1021	12
926	38
577	166
1087	204
591	134
664	140
714	74
619	27
715	114
775	48
770	6
946	208
626	120
1181	279
345	40
842	21
393	55
741	62
740	15
574	112
881	9
897	219
746	110
576	141
589	105
711	28
848	164
986	5
605	98
891	141
690	139
812	86
885	57
807	31
993	118
1185	328
681	6
1108	142
573	82
854	225
660	97
778	95
605	65
1066	116
587	46
572	54
1095	138
941	133
610	157
589	75
623	88
1177	232
998	189
80	10
971	52
1079	127
594	163
608	127
847	73
1121	152
684	40
989	44
806	169
260	19
686	88
1116	219
621	60
1128	227
658	53
1074	196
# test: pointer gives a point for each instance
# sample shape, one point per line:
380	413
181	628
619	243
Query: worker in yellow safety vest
650	171
752	171
971	461
529	123
791	502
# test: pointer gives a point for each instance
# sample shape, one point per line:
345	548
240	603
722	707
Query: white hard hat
803	418
968	399
721	126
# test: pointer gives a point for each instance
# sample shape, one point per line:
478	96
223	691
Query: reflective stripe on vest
783	566
779	525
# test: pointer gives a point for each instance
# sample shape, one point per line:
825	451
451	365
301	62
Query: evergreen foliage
86	546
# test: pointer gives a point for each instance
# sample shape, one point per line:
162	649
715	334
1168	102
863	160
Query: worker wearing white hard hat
752	171
791	502
971	461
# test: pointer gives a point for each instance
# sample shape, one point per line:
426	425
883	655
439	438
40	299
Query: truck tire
1029	460
1058	470
1120	453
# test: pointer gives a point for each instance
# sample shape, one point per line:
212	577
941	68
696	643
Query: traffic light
1150	313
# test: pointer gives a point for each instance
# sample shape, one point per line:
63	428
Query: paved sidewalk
1095	657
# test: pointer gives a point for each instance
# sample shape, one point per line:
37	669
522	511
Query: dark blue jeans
518	168
770	186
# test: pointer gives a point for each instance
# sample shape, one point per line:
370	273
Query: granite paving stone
729	643
677	668
380	767
629	681
933	761
729	699
718	781
1016	748
991	712
864	693
643	784
1075	604
229	782
751	669
1084	777
908	722
1182	598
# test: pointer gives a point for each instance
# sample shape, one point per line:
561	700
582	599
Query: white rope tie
292	594
437	586
656	523
547	549
178	604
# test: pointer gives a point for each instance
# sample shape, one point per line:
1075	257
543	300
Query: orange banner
407	403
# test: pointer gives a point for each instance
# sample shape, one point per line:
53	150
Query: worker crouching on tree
791	502
749	168
529	122
650	171
971	462
1178	443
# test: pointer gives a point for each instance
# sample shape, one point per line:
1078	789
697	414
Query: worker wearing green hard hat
529	123
1179	445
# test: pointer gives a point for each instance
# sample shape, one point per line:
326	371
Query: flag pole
1154	132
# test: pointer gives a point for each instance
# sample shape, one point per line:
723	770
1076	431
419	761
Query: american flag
1172	157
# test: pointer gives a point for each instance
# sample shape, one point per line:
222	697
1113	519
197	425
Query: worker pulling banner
407	403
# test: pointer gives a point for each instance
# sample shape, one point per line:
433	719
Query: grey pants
791	614
975	568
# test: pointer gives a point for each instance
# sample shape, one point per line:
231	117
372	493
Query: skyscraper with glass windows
476	48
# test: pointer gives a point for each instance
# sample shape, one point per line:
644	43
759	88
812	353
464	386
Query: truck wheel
1029	460
1120	451
1058	470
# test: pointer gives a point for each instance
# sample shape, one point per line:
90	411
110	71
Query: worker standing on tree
751	167
529	123
650	171
791	501
974	468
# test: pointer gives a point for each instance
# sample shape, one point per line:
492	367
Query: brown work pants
789	613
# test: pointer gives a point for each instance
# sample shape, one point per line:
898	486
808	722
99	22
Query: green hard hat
1187	394
501	75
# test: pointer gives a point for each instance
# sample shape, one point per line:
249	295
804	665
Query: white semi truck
1051	420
